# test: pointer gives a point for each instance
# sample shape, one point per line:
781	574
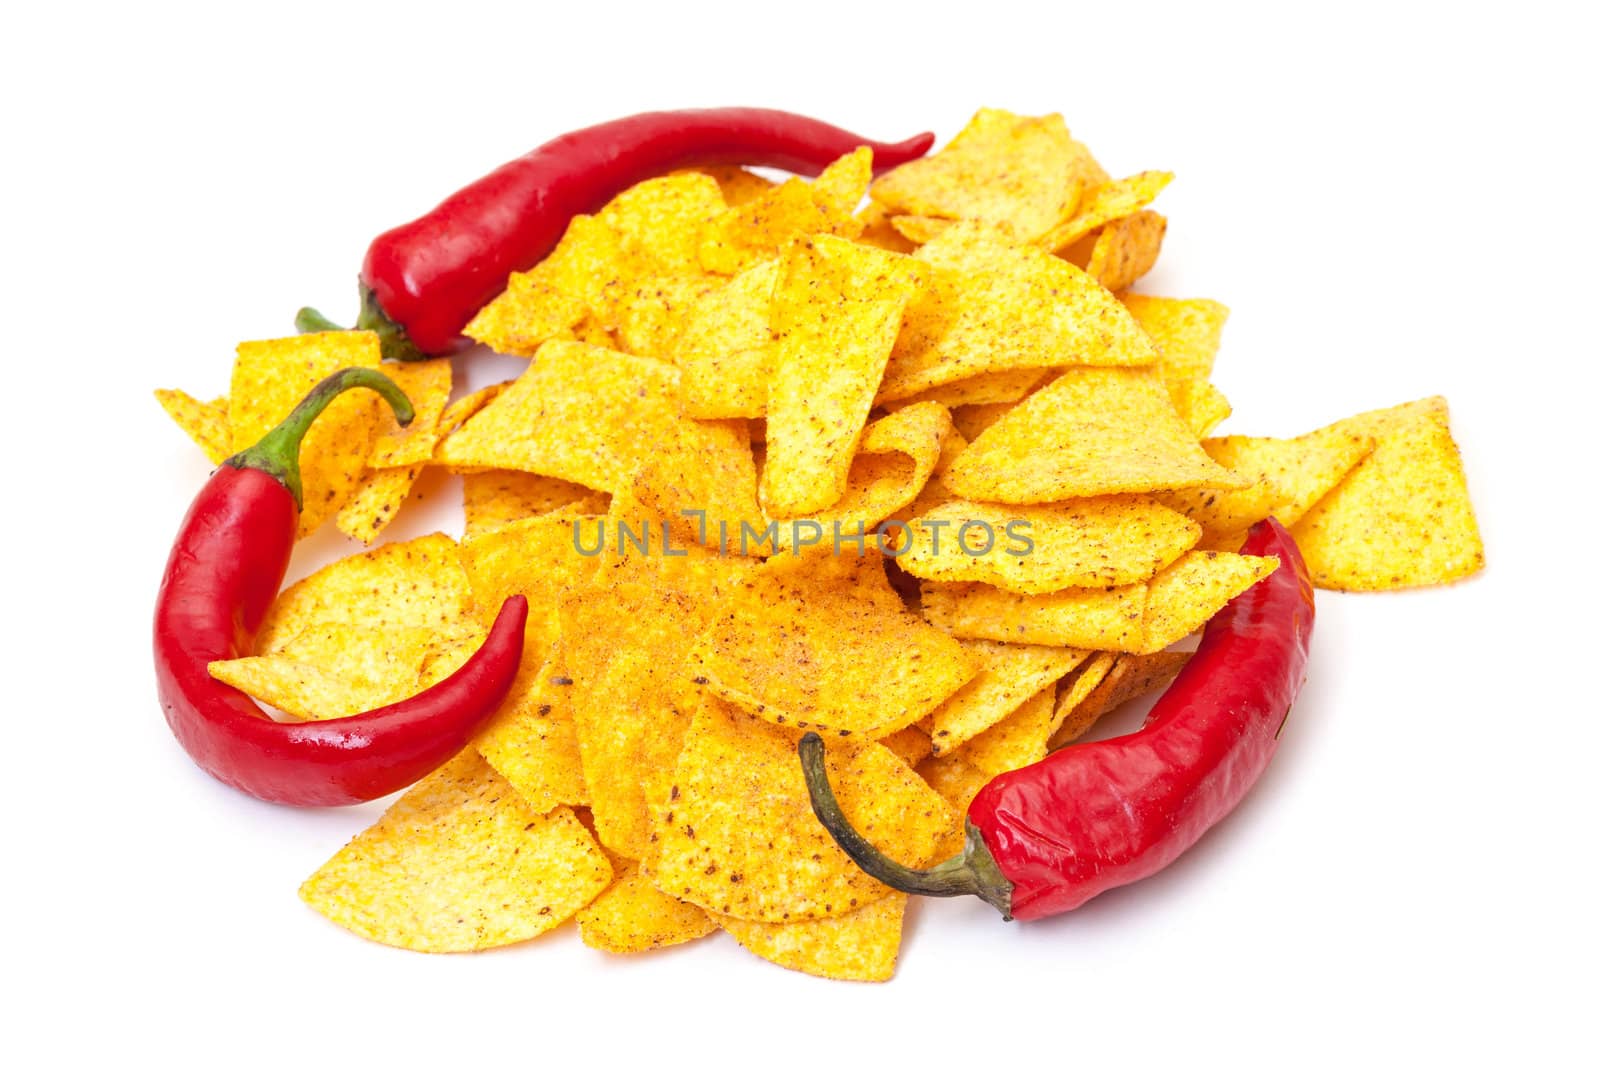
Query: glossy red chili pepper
225	569
423	281
1046	838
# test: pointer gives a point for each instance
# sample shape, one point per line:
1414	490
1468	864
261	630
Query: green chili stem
973	873
392	337
278	453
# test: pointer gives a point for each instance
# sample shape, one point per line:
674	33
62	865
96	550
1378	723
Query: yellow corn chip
1022	173
972	419
835	312
1189	592
584	414
912	745
818	647
1199	404
548	301
632	915
494	498
1125	249
332	670
919	229
1130	678
1017	740
1076	689
1007	676
459	864
738	186
859	946
700	476
206	424
1092	431
427	385
1288	477
993	306
957	781
737	836
877	230
726	350
376	502
1097	541
271	377
416	583
990	387
1186	333
1400	519
532	741
1107	203
651	311
758	228
627	649
897	456
1111	619
660	222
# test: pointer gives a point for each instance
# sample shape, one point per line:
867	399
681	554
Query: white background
1394	202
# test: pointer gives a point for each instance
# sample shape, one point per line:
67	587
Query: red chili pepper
225	569
1044	839
422	282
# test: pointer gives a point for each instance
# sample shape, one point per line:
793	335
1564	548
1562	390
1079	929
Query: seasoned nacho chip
1199	404
1007	676
550	300
538	558
271	377
1092	431
817	647
532	741
957	781
1075	690
758	228
835	312
416	583
1019	739
737	835
1107	203
1129	678
1096	541
989	387
878	230
1110	619
912	745
1189	592
427	385
493	498
1025	174
1186	333
1125	249
1400	519
632	915
738	186
992	306
460	864
919	229
332	670
725	350
206	424
859	946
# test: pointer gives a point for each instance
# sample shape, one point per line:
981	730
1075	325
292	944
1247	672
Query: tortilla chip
1199	404
859	946
700	473
532	741
1092	431
993	306
1126	249
737	835
418	583
1288	477
737	185
957	781
1402	517
1007	676
583	414
818	646
1076	689
551	299
1189	592
627	649
919	229
400	454
973	419
460	864
897	456
990	387
494	498
758	228
206	424
1186	333
912	745
877	229
537	558
632	915
651	311
726	350
1019	739
271	377
1097	541
1022	173
1130	678
836	312
659	224
1111	619
1107	203
333	670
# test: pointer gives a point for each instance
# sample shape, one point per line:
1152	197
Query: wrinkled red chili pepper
423	281
1044	839
225	569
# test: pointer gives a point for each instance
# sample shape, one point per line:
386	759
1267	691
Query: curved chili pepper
422	282
225	569
1044	839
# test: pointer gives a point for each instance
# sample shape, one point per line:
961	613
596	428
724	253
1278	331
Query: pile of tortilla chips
750	412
